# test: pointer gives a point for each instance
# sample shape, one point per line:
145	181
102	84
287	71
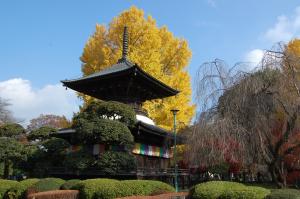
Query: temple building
126	82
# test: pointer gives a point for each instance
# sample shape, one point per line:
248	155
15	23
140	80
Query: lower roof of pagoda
123	82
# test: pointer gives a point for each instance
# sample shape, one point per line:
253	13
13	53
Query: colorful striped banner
155	151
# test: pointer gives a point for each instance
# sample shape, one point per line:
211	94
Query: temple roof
124	82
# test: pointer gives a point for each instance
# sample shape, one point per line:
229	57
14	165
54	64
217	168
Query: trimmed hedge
88	188
108	188
5	185
70	184
284	194
227	190
147	187
46	184
18	191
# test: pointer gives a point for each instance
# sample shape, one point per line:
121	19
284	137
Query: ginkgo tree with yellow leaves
156	50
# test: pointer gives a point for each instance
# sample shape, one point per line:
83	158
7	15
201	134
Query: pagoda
126	82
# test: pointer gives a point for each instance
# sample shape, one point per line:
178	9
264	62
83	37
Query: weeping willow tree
248	117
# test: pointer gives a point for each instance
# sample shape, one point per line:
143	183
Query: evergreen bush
227	190
46	184
147	187
5	185
18	191
108	188
284	194
70	184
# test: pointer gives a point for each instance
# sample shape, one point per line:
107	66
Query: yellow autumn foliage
156	50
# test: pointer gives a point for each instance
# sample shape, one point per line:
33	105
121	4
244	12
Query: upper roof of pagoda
124	82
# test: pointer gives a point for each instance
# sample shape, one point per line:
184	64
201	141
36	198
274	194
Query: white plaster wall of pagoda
145	119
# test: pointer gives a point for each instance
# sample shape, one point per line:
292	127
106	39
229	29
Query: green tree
11	130
11	150
105	122
41	133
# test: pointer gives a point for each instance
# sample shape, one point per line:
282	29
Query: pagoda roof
124	81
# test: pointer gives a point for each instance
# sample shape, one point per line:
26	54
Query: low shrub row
18	191
284	194
70	184
46	184
89	189
5	185
227	190
108	188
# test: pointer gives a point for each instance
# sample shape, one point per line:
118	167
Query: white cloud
28	103
254	58
285	28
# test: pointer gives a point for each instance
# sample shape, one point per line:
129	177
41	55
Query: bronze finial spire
125	46
125	43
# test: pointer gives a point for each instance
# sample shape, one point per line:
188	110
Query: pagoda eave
121	82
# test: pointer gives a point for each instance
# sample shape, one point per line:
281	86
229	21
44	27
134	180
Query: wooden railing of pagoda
161	172
154	172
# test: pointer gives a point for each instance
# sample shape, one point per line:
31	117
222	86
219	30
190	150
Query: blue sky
41	41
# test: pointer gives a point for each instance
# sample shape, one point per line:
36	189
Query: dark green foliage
5	185
227	190
112	162
11	130
70	184
55	145
103	130
11	153
284	194
105	122
18	191
108	188
47	184
106	110
79	160
11	150
41	133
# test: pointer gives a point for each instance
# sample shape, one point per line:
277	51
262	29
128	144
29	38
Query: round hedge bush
147	187
46	184
284	194
88	188
108	188
108	109
5	185
18	191
70	184
227	190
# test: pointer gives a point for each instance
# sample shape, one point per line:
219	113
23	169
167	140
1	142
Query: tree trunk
6	169
277	176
